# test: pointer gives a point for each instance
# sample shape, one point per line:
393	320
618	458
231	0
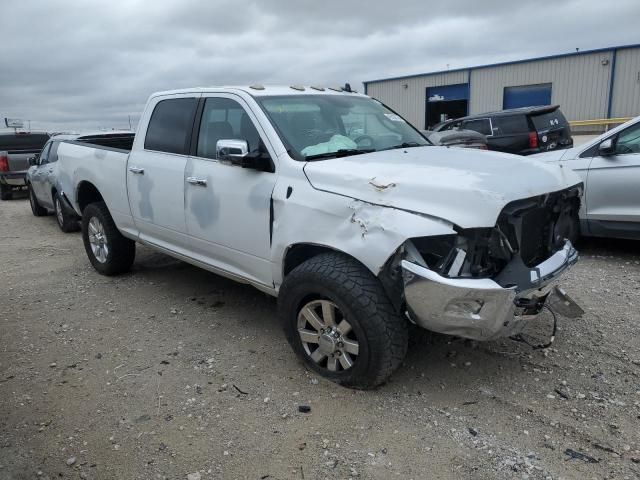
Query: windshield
327	126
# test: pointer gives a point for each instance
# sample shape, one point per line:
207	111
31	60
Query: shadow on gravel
608	246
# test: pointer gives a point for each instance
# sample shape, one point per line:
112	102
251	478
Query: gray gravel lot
173	372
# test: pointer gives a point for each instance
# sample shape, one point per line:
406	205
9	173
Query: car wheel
340	322
36	208
6	193
67	221
108	250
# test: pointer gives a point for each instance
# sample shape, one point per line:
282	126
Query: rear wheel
6	193
67	221
340	322
36	208
108	250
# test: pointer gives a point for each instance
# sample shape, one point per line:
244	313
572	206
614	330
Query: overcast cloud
90	64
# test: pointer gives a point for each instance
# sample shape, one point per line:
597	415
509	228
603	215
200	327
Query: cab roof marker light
257	87
300	88
336	89
320	89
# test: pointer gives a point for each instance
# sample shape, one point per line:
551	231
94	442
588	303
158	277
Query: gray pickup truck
15	151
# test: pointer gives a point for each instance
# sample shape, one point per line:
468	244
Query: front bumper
479	309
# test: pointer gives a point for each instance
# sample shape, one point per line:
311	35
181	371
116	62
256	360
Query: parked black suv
523	131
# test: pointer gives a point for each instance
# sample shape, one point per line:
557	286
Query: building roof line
511	62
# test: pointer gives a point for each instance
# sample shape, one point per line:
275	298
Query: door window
53	153
629	140
170	125
510	124
224	119
44	155
481	125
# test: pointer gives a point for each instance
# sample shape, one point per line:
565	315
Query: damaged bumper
482	309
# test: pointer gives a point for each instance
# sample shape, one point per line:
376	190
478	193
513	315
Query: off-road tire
6	193
121	250
37	209
382	333
67	221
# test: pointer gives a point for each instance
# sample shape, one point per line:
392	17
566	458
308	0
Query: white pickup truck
333	203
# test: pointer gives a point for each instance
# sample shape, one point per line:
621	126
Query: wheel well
88	193
297	254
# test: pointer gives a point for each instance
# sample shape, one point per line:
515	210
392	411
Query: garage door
527	96
446	102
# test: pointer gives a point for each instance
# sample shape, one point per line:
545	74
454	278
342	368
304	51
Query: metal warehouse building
588	85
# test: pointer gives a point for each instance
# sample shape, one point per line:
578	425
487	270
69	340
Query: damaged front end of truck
487	283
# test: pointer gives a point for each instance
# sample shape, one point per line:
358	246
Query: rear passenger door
155	172
228	208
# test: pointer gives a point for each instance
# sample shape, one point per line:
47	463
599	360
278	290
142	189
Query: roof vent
300	88
257	87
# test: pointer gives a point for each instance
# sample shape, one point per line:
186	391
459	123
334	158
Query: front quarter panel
369	233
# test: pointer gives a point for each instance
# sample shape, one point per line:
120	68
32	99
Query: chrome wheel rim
59	213
98	240
327	337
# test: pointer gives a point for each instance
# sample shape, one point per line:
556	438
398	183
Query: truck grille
538	226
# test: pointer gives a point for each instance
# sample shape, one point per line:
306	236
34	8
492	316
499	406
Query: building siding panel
410	102
579	84
626	88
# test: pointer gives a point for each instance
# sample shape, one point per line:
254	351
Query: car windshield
327	126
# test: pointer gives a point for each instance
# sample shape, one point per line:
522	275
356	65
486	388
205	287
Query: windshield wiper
343	152
407	145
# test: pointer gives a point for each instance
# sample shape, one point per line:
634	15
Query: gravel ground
173	372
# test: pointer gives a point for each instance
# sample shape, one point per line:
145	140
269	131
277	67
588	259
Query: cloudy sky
90	64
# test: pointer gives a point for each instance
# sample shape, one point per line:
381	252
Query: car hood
465	187
556	155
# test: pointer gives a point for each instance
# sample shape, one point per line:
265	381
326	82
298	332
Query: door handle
137	170
202	182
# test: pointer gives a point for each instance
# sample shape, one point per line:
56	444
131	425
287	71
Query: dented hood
465	187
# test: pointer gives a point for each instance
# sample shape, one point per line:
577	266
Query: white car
610	169
336	205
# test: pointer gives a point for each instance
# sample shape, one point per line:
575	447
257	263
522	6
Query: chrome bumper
479	309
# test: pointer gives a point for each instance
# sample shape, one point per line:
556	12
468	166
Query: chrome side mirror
232	150
606	148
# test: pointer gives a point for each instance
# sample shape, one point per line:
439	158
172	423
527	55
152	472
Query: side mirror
606	148
237	152
231	150
33	161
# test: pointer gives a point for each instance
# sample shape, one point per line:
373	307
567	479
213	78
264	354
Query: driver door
227	207
39	175
613	193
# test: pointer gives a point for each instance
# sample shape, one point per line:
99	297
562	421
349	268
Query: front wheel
340	322
67	221
108	250
37	209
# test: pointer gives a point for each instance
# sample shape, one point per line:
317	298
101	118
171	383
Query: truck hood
465	187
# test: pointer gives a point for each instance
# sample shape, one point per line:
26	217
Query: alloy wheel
327	337
98	240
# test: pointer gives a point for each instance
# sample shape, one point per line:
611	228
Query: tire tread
386	331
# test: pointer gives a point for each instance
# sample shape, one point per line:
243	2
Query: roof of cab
263	91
